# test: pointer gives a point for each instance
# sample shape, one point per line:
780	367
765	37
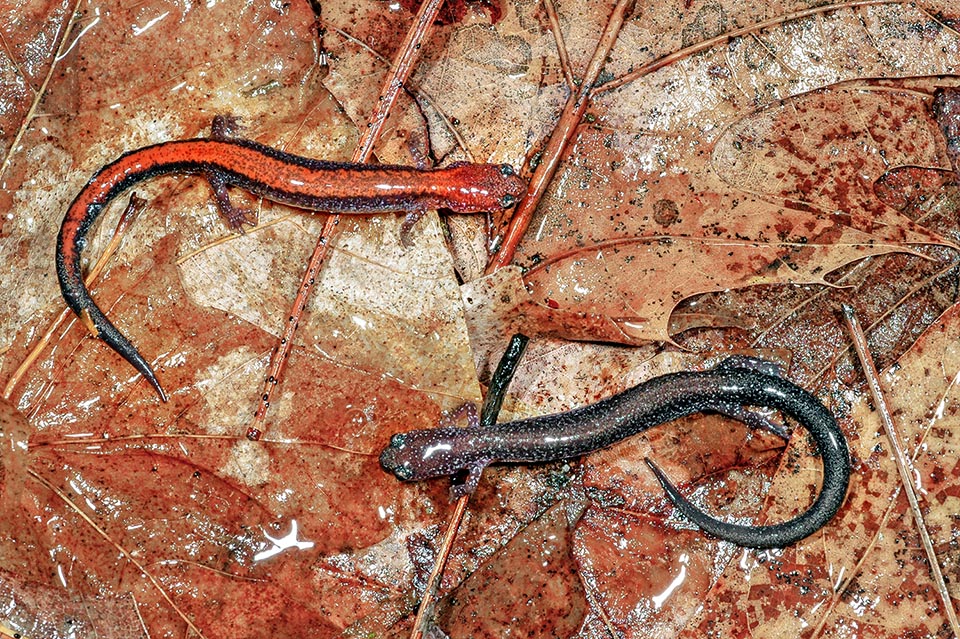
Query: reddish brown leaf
780	155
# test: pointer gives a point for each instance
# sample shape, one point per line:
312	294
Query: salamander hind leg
406	228
226	127
752	418
751	363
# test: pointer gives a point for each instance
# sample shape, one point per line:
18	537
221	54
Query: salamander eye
507	201
403	473
506	170
399	440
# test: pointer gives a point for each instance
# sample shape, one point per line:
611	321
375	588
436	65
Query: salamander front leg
233	216
460	489
226	127
466	410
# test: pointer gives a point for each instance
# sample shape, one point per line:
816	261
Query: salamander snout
391	458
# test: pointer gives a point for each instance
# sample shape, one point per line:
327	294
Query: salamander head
484	187
421	454
508	186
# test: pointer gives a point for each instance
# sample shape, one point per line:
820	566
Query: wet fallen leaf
783	195
783	155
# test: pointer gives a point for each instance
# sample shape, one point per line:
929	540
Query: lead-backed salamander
727	389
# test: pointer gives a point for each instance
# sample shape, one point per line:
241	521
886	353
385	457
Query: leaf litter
601	529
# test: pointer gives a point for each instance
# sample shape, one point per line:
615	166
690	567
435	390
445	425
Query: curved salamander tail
831	445
80	216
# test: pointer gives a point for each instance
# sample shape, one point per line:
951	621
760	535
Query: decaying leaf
784	154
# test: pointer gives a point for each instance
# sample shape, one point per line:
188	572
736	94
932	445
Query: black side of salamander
421	454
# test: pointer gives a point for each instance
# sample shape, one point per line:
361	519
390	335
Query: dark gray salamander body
421	454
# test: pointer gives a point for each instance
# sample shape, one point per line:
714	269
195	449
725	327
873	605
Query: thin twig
38	96
562	53
14	144
880	403
559	141
410	51
425	610
491	408
729	35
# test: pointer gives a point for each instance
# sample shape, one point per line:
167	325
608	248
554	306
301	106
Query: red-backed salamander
727	389
330	187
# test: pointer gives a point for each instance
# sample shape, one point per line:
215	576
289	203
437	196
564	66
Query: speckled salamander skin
307	183
421	454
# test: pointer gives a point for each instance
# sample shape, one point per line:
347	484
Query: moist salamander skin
315	185
421	454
